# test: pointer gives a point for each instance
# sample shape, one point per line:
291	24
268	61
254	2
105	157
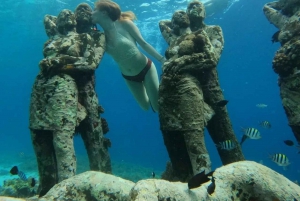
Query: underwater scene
247	108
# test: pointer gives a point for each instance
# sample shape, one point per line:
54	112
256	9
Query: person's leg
151	83
139	92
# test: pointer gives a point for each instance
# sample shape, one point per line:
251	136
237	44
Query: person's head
65	22
196	11
180	20
83	15
110	9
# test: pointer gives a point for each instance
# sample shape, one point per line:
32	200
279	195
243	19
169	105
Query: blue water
245	72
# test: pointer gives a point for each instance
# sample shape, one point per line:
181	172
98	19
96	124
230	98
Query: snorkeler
122	36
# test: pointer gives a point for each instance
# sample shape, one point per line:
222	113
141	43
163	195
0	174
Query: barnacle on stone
105	128
106	143
282	65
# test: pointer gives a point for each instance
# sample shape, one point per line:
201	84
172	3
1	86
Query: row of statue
64	102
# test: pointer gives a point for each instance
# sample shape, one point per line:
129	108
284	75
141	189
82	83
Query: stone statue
190	93
64	102
284	14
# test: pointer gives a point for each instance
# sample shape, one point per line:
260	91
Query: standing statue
190	94
63	100
285	14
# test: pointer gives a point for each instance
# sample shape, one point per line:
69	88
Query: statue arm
273	14
166	31
92	55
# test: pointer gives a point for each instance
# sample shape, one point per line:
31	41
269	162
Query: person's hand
162	60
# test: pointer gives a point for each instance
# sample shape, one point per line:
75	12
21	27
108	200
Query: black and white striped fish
15	171
226	145
280	159
251	133
265	124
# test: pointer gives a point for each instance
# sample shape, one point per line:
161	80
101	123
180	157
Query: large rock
91	186
238	181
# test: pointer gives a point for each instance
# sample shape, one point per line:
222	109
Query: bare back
123	48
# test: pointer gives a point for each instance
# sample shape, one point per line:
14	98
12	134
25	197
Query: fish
226	145
265	124
33	182
289	142
15	171
211	187
153	174
280	159
251	133
275	37
222	103
261	105
199	179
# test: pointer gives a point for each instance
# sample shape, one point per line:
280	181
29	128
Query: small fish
33	182
252	133
275	37
199	179
289	142
280	159
15	171
211	187
226	145
261	105
153	174
265	124
222	103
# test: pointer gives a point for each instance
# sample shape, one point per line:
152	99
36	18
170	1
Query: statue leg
91	130
65	153
44	150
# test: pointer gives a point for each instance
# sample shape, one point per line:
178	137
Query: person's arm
135	33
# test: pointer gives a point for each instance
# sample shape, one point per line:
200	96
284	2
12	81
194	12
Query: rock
244	180
91	185
237	181
2	198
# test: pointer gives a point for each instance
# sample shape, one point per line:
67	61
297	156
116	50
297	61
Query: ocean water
245	73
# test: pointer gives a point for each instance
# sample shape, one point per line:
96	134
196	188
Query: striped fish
252	133
226	145
265	124
280	159
15	171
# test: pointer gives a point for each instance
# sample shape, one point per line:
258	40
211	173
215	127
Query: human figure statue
64	101
190	94
284	14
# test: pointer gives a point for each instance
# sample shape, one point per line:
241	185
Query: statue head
83	15
196	11
65	22
180	20
50	25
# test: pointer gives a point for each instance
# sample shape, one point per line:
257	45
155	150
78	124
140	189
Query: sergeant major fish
15	171
251	133
226	145
280	159
265	124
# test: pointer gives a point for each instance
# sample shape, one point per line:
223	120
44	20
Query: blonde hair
113	10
